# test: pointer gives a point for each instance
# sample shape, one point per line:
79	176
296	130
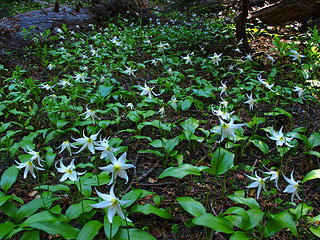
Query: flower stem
38	179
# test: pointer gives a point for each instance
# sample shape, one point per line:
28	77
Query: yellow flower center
29	163
116	167
69	171
89	140
225	126
66	142
261	181
281	138
114	202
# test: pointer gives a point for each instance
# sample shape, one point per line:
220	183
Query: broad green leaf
285	220
54	188
315	231
133	196
185	105
215	223
182	170
301	210
148	209
116	223
133	116
31	235
155	152
61	228
50	158
250	202
315	219
170	144
157	143
44	216
190	125
75	210
314	140
311	175
193	207
104	90
221	161
271	227
90	230
238	235
61	123
9	177
238	217
255	216
261	145
6	228
134	233
4	199
314	153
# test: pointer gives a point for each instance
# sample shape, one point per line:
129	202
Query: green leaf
238	217
31	235
238	235
9	177
190	125
185	105
314	140
116	223
44	216
315	219
261	145
215	223
75	210
285	220
255	216
61	228
193	207
314	153
90	230
155	152
50	158
182	170
133	116
221	161
61	123
157	143
301	210
148	209
250	202
104	90
133	196
315	231
6	228
134	233
54	188
311	175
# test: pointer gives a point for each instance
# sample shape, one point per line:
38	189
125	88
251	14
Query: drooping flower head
87	142
68	172
293	187
258	182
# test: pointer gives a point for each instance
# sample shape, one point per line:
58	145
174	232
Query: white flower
90	113
227	129
293	187
80	77
170	72
231	67
117	167
29	167
46	87
216	58
64	83
280	138
223	114
87	142
300	91
266	84
296	56
161	111
112	203
105	147
51	66
224	103
59	30
66	145
129	71
162	47
34	155
249	57
258	182
274	176
68	172
188	59
270	58
223	88
250	101
148	91
130	105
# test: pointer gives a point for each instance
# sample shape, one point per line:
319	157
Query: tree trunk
241	26
288	10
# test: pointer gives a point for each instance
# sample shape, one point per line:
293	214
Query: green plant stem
110	231
38	180
81	193
127	227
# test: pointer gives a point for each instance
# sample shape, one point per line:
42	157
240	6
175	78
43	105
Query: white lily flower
223	114
296	56
147	91
188	59
249	57
250	101
293	187
66	145
265	83
46	87
117	167
34	155
274	176
161	111
90	113
105	147
224	103
216	58
51	66
68	172
112	203
29	167
231	67
223	88
227	129
80	77
64	83
129	71
280	138
130	105
162	47
258	182
299	90
87	142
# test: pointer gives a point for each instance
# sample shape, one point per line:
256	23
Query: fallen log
286	11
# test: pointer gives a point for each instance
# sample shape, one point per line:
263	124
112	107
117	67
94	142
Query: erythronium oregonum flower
64	83
188	59
129	71
270	58
274	176
216	58
250	101
106	149
162	47
112	203
34	155
227	129
299	90
249	57
266	84
29	167
118	167
46	87
223	88
66	145
258	182
296	56
148	91
68	172
51	66
90	113
223	114
130	105
224	103
280	138
293	187
87	142
161	111
80	77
